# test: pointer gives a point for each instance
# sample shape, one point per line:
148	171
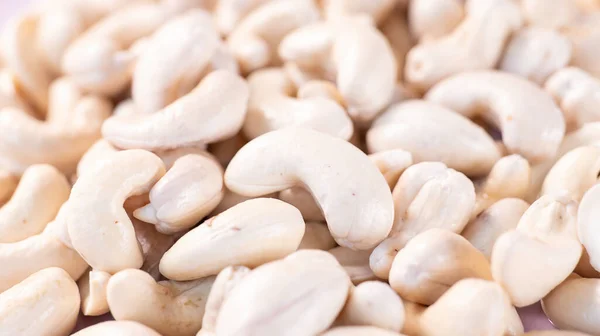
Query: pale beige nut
153	245
377	10
189	191
432	262
41	191
359	215
360	331
317	237
373	303
471	307
231	199
428	195
213	111
500	217
392	163
587	218
547	235
576	92
584	34
286	293
8	184
100	151
507	101
355	263
117	328
431	132
553	15
250	234
432	19
169	307
225	150
476	44
536	53
92	288
396	30
45	303
229	13
272	106
99	228
574	173
303	200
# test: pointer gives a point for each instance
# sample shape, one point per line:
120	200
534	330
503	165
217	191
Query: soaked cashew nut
432	262
355	263
169	307
373	303
432	19
500	217
117	328
584	34
41	192
553	15
536	53
92	288
392	163
547	236
428	195
213	111
99	227
375	9
249	234
587	218
574	173
303	200
359	215
316	237
46	303
531	123
431	132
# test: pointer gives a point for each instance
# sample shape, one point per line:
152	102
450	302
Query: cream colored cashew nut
100	151
587	219
359	215
531	123
433	19
8	184
574	173
355	263
117	328
316	237
92	288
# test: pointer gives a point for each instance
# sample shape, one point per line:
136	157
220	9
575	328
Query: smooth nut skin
46	303
431	132
576	93
373	303
574	173
531	123
431	19
359	215
41	191
117	328
432	262
98	225
392	163
169	307
287	297
500	217
214	110
189	191
92	288
355	263
304	202
359	331
249	234
547	235
98	152
587	218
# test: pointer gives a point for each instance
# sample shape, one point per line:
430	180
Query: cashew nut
117	328
101	150
229	13
355	263
574	173
587	217
432	19
92	288
317	237
553	15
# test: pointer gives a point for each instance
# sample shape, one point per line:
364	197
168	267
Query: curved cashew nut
536	53
543	250
377	10
213	111
316	237
99	227
373	303
431	132
432	262
298	284
432	19
46	303
428	195
169	307
555	15
272	106
574	173
229	13
502	216
359	215
92	288
476	43
117	328
576	92
355	263
41	192
359	331
584	34
189	191
587	217
531	123
249	234
392	163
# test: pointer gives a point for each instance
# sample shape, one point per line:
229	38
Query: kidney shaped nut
169	307
92	288
316	237
540	253
355	263
286	294
576	92
117	328
359	331
250	234
188	192
98	225
432	19
428	195
272	106
41	192
392	163
46	303
574	173
531	123
373	303
359	215
213	111
431	132
536	53
587	219
432	262
476	43
378	10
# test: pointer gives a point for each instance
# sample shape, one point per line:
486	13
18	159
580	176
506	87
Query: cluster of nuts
300	167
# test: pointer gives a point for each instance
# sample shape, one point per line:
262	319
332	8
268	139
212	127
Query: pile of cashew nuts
300	167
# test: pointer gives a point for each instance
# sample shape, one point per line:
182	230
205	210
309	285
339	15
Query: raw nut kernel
392	163
574	173
433	19
587	218
92	288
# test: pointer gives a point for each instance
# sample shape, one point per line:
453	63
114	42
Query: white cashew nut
433	19
574	173
587	218
92	288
